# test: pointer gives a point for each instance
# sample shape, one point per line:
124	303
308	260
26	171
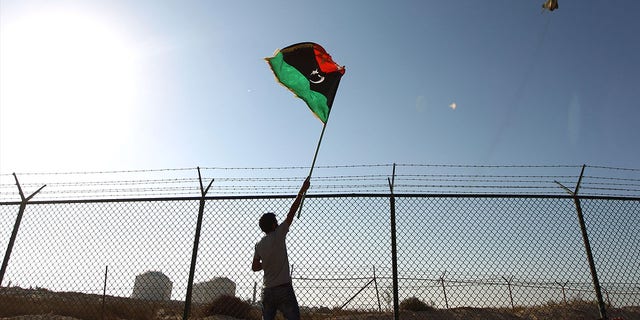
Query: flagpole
315	156
313	163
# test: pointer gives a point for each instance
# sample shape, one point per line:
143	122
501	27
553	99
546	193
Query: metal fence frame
448	283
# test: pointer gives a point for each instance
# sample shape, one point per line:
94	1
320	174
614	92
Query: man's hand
256	265
305	185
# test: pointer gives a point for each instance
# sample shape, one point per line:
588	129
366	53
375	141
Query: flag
308	71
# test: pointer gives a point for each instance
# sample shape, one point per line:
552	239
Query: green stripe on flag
297	83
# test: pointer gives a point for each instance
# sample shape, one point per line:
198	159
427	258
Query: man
271	256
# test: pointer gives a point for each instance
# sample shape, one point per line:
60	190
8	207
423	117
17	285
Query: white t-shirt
272	251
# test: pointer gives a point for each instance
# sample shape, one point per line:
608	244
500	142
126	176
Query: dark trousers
281	298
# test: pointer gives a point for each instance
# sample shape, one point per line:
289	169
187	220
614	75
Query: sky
119	85
99	85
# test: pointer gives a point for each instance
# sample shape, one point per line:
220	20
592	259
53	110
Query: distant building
152	285
205	292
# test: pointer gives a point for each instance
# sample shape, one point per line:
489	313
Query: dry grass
414	304
20	302
233	307
576	310
23	304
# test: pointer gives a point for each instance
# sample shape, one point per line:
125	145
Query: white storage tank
206	292
152	285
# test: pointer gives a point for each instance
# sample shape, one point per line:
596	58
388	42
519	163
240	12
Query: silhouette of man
271	256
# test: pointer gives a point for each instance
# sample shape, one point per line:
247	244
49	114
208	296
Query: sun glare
67	81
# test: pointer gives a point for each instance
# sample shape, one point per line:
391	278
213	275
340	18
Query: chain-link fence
92	256
456	240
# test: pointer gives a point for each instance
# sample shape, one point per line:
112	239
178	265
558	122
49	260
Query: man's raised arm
296	203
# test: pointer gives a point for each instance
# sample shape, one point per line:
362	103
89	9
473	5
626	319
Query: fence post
375	283
587	246
606	293
394	253
563	285
16	226
104	290
196	241
510	294
444	290
357	293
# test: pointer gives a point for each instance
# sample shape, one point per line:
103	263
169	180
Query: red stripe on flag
325	62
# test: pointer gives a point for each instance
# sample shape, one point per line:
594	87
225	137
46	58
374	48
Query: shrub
414	304
228	305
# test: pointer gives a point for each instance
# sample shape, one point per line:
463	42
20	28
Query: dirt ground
569	313
580	312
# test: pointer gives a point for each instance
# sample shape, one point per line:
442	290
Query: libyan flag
308	71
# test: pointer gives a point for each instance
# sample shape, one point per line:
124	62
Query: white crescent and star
320	77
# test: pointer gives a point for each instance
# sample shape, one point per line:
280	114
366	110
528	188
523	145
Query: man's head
268	222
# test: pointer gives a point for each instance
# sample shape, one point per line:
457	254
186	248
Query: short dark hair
267	221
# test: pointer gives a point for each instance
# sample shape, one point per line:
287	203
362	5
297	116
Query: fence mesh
471	242
452	251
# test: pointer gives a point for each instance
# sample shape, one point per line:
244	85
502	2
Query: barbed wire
614	287
334	179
